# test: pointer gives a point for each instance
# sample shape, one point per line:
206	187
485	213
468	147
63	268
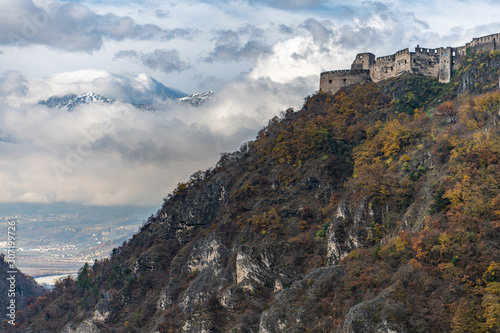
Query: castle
438	63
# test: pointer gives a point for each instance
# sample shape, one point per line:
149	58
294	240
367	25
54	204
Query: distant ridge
70	101
197	99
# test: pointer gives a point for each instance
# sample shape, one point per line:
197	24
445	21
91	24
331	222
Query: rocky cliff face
478	74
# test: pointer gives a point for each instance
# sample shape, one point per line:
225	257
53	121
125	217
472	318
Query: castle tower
363	61
445	64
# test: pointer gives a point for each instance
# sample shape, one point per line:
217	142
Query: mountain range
70	101
197	99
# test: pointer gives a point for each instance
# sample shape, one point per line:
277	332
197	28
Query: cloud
72	26
167	61
307	48
162	13
230	47
292	4
483	30
13	83
376	26
16	89
114	154
206	83
284	29
127	54
320	32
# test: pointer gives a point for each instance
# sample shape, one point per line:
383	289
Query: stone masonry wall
383	68
391	66
457	54
485	43
403	61
332	81
425	62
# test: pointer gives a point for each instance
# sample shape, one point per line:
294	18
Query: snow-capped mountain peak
68	102
197	99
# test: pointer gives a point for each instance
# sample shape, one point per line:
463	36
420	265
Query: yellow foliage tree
491	305
465	318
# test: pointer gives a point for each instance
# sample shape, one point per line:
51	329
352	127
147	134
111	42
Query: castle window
329	81
345	80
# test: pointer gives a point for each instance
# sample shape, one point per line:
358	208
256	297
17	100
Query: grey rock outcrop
287	316
379	315
350	229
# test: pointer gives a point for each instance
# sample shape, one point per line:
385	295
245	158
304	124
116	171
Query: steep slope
373	210
17	290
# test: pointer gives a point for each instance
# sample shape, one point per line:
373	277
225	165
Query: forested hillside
16	288
371	210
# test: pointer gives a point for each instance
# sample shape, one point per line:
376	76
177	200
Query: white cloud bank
261	56
109	154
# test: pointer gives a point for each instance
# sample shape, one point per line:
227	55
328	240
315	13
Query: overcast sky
260	56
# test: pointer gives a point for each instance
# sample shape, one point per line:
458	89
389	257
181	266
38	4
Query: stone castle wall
485	43
425	62
438	63
331	82
457	54
391	66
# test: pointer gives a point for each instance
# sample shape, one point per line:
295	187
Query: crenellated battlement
484	39
437	62
343	72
